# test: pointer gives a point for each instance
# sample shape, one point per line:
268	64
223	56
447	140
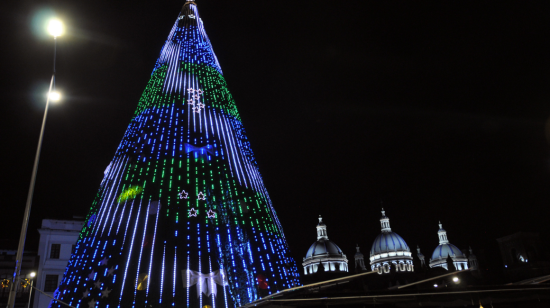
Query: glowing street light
455	279
55	96
32	275
56	27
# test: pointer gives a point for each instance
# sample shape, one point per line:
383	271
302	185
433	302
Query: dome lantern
385	222
321	230
442	235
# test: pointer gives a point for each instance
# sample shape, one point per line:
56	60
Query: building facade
57	242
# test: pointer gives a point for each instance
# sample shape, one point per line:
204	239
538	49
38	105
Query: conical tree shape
182	217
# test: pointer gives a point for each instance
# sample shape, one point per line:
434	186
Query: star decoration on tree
105	293
104	261
85	294
195	99
111	271
211	214
91	304
183	195
91	276
201	196
198	108
195	91
193	212
97	284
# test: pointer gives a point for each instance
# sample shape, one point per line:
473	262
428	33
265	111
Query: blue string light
186	135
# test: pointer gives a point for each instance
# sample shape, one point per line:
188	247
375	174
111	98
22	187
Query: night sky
438	109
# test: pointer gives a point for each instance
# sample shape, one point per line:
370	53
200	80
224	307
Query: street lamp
32	275
55	28
55	96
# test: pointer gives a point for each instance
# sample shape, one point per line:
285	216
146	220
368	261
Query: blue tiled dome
321	247
445	250
387	242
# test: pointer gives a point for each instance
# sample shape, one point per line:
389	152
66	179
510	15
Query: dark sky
438	108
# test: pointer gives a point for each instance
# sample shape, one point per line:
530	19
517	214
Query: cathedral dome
324	252
323	247
390	249
387	242
446	249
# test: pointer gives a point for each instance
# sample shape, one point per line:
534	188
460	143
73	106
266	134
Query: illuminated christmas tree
182	217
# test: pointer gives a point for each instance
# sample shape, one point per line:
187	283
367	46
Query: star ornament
105	293
211	214
201	196
86	293
91	304
104	261
183	195
193	212
91	276
191	90
97	284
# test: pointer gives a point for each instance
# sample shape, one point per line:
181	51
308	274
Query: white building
57	242
446	249
389	249
324	252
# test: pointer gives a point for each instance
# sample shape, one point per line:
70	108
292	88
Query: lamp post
55	28
32	275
